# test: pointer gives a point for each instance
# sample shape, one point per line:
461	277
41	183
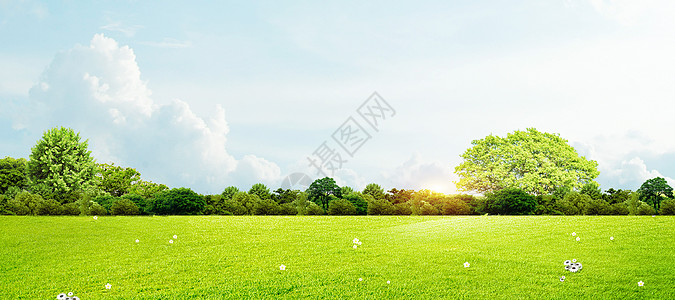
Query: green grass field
406	257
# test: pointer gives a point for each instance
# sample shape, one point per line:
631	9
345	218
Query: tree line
61	178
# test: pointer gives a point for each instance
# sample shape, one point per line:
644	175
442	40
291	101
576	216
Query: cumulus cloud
634	172
417	173
97	89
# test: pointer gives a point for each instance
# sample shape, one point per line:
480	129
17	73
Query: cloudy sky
208	95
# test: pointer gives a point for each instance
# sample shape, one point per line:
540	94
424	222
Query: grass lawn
404	257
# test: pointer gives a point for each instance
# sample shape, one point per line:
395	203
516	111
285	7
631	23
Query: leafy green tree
246	200
13	174
667	207
453	205
177	201
396	196
61	161
116	180
379	206
535	162
346	190
138	200
574	203
282	196
613	196
510	201
229	192
654	190
266	207
105	200
147	189
321	189
374	190
341	207
314	210
592	189
359	202
261	191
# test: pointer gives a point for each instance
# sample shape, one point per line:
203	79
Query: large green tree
12	173
61	161
321	189
654	190
535	162
116	180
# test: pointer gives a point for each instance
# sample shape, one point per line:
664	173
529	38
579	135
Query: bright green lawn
239	257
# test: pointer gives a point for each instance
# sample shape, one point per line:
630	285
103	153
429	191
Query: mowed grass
217	257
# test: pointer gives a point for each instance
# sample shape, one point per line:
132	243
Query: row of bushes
183	201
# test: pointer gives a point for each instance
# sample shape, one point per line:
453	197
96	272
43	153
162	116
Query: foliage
374	190
536	162
667	207
359	202
321	189
655	190
47	207
96	209
229	192
616	196
105	200
261	191
266	206
147	189
60	161
645	209
314	209
592	189
13	174
124	206
246	200
177	201
138	200
288	209
233	207
574	203
71	209
453	205
597	206
396	196
546	205
619	208
341	207
282	196
116	180
379	206
510	201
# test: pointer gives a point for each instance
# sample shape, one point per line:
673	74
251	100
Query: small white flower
70	294
388	282
467	264
170	241
76	298
578	265
578	239
175	236
611	238
355	240
359	243
567	268
360	279
574	233
108	286
653	216
574	260
573	269
562	279
61	296
355	246
640	283
95	217
282	267
567	262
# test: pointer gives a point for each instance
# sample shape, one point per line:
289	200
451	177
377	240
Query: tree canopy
61	161
116	180
654	190
12	173
535	162
321	189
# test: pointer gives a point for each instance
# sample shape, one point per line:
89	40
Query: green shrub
359	201
573	203
289	209
124	207
71	209
49	207
454	206
140	202
645	209
178	201
426	209
17	207
314	209
341	207
232	207
667	207
597	206
266	206
378	206
619	209
105	200
96	209
510	202
403	208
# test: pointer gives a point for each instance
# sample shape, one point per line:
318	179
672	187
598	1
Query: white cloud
634	172
128	30
169	43
97	90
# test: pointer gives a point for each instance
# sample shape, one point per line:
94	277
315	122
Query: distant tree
379	206
139	201
654	190
147	189
667	207
346	190
61	161
396	196
613	196
246	200
261	191
13	174
178	201
510	202
341	207
321	189
282	196
592	189
535	162
359	202
116	180
229	192
266	207
374	190
574	203
453	205
106	201
314	210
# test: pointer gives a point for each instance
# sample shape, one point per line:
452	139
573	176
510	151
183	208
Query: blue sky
209	95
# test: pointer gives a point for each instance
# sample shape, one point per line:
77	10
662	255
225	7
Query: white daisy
567	262
573	269
578	239
70	294
61	296
355	240
175	236
355	246
578	265
359	243
388	282
640	283
137	241
282	267
567	267
360	279
76	298
170	241
562	279
108	286
95	217
574	260
611	238
467	264
574	233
